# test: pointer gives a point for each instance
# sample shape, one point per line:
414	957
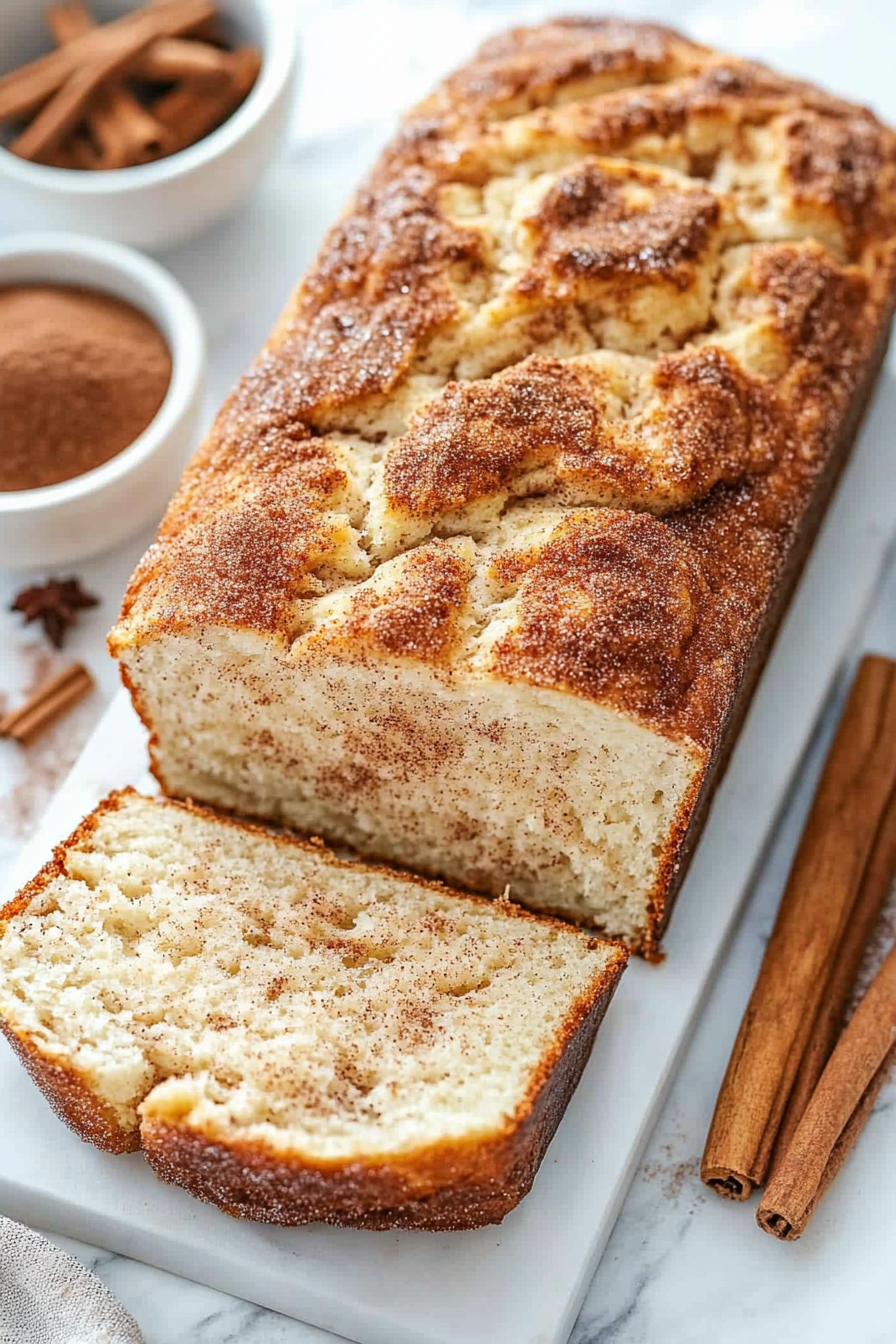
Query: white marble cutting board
521	1283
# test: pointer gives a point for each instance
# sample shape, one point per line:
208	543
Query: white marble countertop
682	1267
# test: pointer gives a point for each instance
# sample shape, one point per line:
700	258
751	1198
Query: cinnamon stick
188	115
836	1113
824	883
166	60
25	90
124	131
56	696
68	21
171	59
829	1022
66	108
207	31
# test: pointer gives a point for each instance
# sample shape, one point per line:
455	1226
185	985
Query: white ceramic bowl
58	524
155	204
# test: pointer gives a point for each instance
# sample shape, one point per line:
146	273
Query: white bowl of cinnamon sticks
141	123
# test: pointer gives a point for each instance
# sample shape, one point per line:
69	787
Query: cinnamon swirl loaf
480	562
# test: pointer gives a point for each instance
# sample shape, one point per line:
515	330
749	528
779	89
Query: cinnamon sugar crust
556	426
589	614
421	614
604	221
553	405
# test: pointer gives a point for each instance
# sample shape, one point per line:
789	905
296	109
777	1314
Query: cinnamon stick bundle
124	131
25	90
66	108
836	1113
128	92
788	1011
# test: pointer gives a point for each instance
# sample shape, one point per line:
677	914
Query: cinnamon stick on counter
51	700
836	1113
800	961
831	1015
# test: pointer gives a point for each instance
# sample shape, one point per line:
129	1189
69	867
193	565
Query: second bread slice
289	1036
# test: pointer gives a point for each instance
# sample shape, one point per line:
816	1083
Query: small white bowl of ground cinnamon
140	121
102	375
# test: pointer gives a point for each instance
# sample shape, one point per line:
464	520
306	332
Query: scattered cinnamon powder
39	773
677	1175
81	376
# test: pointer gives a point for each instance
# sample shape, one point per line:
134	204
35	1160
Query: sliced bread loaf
481	561
290	1036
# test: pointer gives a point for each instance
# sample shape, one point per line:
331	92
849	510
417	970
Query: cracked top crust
550	404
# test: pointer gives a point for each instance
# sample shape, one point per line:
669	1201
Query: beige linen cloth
47	1297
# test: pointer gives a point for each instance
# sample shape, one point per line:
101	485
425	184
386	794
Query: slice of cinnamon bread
290	1036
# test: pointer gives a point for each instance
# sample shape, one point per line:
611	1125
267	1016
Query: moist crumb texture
479	562
292	1036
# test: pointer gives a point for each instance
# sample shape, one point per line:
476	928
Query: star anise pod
55	604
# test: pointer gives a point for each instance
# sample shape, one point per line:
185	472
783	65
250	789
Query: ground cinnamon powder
81	376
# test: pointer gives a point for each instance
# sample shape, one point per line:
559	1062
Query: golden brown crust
846	165
695	809
602	221
590	611
420	616
383	280
248	528
265	512
523	69
71	1098
706	421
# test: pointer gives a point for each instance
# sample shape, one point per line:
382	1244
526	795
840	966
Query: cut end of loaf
579	811
290	1036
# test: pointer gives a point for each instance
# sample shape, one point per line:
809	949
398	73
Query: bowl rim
280	43
185	338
